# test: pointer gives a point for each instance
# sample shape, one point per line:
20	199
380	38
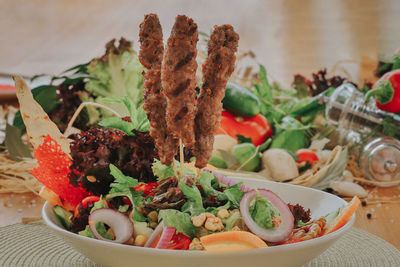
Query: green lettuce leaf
137	115
117	73
262	212
231	220
101	229
195	203
233	194
118	123
206	181
162	171
179	220
99	204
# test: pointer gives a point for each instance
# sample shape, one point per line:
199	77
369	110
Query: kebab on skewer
170	96
155	103
217	69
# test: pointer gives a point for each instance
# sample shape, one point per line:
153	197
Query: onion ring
154	235
166	236
121	225
282	231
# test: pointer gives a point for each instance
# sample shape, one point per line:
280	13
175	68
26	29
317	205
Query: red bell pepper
86	201
257	128
7	87
387	92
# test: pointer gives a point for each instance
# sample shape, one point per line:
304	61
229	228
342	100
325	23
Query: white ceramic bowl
110	254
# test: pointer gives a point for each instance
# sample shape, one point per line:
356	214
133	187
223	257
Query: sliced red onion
156	233
282	231
166	236
121	225
229	182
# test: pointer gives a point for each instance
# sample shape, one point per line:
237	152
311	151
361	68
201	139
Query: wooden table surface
288	37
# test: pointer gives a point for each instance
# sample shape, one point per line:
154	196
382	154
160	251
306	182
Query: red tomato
147	188
306	155
86	201
178	242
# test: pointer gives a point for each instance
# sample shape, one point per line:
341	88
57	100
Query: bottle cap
380	159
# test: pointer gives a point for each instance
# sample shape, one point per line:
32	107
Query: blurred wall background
288	37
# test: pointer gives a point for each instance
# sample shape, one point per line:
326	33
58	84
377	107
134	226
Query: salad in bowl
119	186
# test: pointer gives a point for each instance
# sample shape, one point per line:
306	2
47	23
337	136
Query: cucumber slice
64	216
331	216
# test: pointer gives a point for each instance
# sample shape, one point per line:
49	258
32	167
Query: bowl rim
286	247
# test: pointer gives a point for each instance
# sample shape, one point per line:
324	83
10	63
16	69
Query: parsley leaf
122	183
137	115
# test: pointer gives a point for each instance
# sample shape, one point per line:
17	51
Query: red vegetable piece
257	128
86	201
147	188
53	171
178	242
7	87
387	92
306	155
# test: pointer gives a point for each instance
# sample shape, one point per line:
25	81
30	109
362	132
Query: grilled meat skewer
217	69
178	79
155	102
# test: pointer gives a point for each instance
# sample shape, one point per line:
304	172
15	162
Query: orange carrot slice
231	241
344	216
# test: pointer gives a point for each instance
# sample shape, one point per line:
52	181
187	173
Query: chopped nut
209	215
241	225
311	230
236	228
153	225
214	224
199	220
196	245
276	221
91	178
140	240
202	232
153	216
223	213
142	211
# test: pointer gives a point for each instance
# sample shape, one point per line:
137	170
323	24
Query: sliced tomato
147	188
178	242
306	155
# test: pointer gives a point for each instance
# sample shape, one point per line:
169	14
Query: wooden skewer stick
181	157
175	168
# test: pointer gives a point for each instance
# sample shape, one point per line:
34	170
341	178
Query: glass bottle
356	121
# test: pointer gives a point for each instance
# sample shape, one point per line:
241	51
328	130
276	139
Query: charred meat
155	102
179	79
217	69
